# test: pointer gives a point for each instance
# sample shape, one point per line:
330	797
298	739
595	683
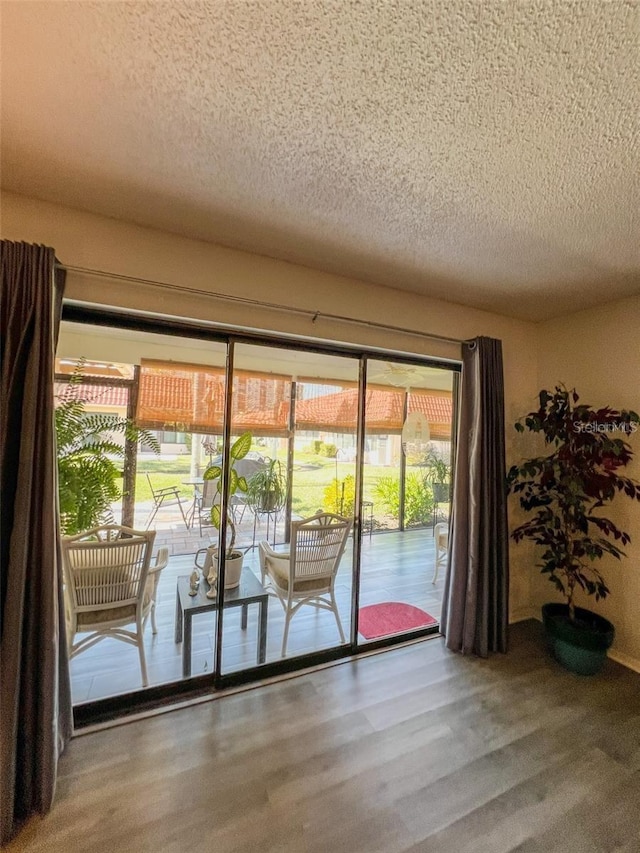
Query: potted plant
438	474
87	450
267	489
565	491
233	557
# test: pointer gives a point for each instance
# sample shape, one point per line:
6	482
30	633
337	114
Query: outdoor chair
167	496
246	468
109	585
205	497
441	541
306	573
209	493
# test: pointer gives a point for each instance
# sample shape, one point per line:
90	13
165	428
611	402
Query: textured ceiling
482	151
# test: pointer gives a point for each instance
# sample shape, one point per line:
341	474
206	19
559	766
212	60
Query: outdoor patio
396	566
172	533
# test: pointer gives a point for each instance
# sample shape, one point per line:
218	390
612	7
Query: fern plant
88	476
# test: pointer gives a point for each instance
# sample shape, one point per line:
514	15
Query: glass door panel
172	390
299	411
406	476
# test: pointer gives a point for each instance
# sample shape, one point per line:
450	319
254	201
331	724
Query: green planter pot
580	646
270	502
441	493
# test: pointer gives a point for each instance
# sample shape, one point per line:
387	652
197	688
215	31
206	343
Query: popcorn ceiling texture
482	152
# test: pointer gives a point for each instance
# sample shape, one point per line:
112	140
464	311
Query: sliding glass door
299	497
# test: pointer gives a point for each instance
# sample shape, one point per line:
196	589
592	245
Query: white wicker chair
441	539
111	584
306	573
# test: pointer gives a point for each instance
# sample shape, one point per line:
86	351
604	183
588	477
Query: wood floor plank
506	821
605	822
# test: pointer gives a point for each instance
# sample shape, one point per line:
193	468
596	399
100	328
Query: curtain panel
476	595
36	698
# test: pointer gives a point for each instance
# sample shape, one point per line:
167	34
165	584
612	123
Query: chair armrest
167	490
272	554
268	556
162	558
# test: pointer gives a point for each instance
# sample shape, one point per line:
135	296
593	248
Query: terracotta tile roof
384	410
111	396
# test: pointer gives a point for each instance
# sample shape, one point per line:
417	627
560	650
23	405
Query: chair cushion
124	614
90	618
278	569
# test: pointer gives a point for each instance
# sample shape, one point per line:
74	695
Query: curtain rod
272	306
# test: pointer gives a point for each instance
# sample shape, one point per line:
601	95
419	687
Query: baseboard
625	660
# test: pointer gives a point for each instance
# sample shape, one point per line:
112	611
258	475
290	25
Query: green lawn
312	475
309	484
163	473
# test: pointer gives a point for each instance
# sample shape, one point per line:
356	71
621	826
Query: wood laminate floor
409	751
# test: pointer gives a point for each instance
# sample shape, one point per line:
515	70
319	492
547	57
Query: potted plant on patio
438	475
267	489
87	450
565	491
233	557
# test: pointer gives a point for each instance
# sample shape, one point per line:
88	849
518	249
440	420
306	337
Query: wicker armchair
306	573
441	539
111	584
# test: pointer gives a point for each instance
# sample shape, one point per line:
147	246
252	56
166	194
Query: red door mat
391	617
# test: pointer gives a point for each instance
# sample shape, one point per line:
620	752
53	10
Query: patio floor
172	533
395	567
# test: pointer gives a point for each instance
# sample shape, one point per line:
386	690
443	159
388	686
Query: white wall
598	352
96	242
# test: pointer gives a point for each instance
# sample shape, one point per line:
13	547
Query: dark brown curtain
35	700
475	606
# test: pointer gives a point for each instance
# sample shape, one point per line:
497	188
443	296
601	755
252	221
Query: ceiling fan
398	375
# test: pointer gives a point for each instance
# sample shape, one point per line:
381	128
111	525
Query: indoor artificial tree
565	492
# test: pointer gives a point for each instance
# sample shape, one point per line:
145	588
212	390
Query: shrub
339	496
387	491
321	449
418	498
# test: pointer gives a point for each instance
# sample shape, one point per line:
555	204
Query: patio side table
249	592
